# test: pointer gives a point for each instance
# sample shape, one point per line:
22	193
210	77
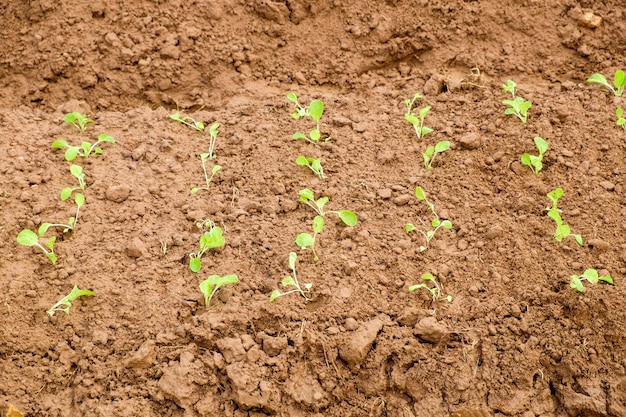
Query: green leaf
79	199
292	97
76	170
606	278
316	109
318	224
591	275
215	169
442	146
50	242
60	143
292	260
412	119
348	217
66	302
426	130
52	257
419	193
304	240
209	286
428	277
214	129
417	286
599	79
435	222
306	195
576	283
212	239
71	153
66	193
556	216
195	264
562	231
288	282
579	239
298	135
526	159
619	79
618	112
321	202
44	228
27	238
194	190
446	224
274	295
409	227
302	161
86	146
106	138
542	145
315	135
424	112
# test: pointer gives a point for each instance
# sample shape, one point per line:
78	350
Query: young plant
536	162
78	120
313	164
65	303
187	121
29	238
209	286
417	119
85	149
314	110
621	121
436	223
307	240
292	281
210	239
619	82
519	107
590	275
432	151
434	291
510	87
562	229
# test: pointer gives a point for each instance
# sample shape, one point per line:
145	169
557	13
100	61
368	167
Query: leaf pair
432	151
314	110
29	238
535	162
562	230
188	121
65	303
313	164
519	107
209	286
210	239
85	149
435	291
417	119
292	281
619	82
590	275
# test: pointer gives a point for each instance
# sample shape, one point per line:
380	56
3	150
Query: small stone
470	140
136	248
607	185
117	193
567	153
170	51
100	337
274	345
598	245
341	121
433	86
351	324
429	330
299	77
462	244
145	356
402	200
350	267
590	20
494	232
384	193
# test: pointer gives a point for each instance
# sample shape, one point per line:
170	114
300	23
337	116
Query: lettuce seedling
590	275
210	239
510	87
619	82
313	164
432	151
519	107
562	229
536	162
85	149
621	121
65	303
78	120
314	110
436	223
209	286
29	238
307	240
417	119
187	121
292	281
434	291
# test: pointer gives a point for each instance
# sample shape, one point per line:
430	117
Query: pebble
384	193
402	200
118	193
136	248
470	140
430	330
607	185
590	20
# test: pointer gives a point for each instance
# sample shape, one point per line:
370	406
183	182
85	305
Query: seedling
187	121
519	107
536	162
207	178
432	151
562	230
210	239
436	223
417	119
510	87
85	149
619	82
313	164
590	275
434	291
307	240
65	303
314	110
292	281
209	286
78	120
29	238
621	121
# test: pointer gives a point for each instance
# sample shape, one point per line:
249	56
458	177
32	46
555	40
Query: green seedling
519	107
417	119
213	131
210	239
78	120
307	240
434	291
292	281
619	82
510	87
621	121
187	121
29	238
209	286
433	151
535	162
314	110
590	275
65	303
313	164
436	223
562	229
85	149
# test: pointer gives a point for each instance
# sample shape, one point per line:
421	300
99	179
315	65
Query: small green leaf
591	275
321	202
306	195
298	135
318	224
428	277
316	108
71	153
194	190
195	264
435	222
442	146
52	257
304	240
76	170
292	260
426	130
619	79
417	286
215	169
606	278
60	143
106	138
315	135
50	242
79	199
66	193
579	239
288	282
424	112
412	119
274	295
44	228
302	161
348	217
409	227
599	79
419	193
214	129
27	238
292	97
446	224
526	159
542	145
576	283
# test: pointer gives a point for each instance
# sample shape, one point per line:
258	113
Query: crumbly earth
515	340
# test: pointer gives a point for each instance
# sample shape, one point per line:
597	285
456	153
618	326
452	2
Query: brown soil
514	341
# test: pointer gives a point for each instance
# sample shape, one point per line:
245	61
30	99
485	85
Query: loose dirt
515	340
